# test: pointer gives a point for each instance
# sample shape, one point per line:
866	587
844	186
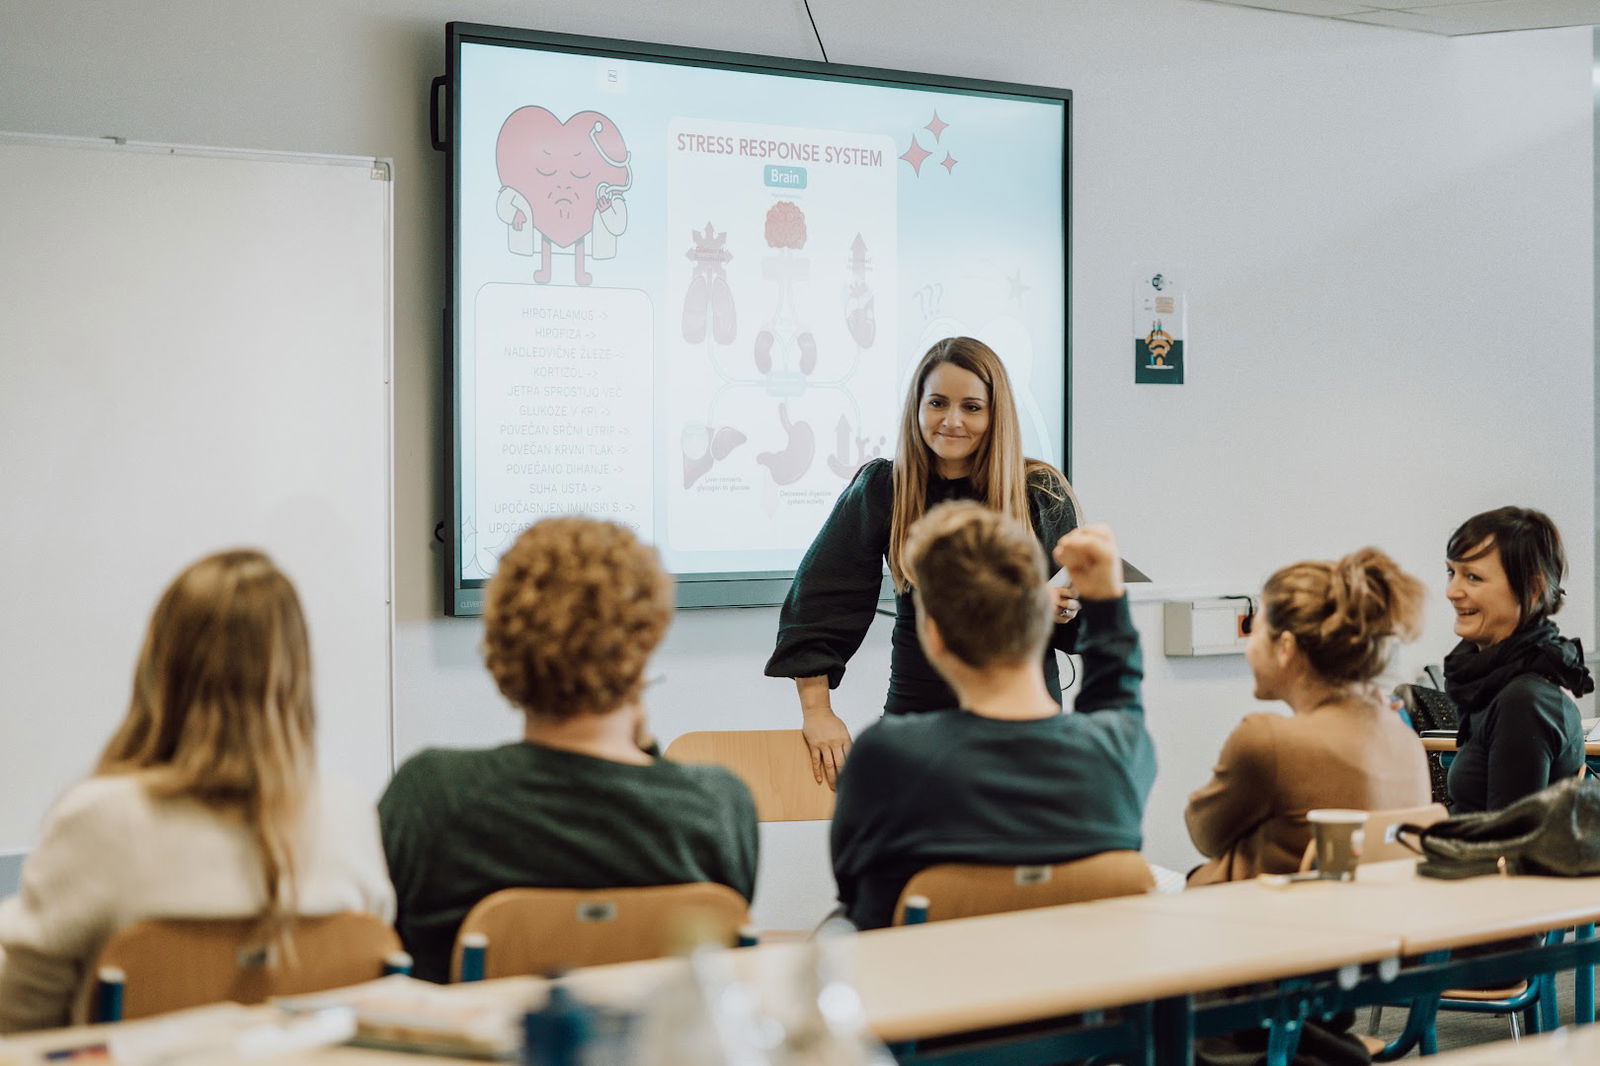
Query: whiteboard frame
380	170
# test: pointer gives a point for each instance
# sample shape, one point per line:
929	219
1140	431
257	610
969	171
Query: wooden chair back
773	764
1380	844
537	930
964	890
172	963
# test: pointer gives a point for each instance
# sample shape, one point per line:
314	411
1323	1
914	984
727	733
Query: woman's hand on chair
827	738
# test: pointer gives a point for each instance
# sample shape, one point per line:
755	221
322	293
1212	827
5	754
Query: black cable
813	18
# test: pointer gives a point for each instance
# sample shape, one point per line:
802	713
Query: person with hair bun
575	610
205	804
1519	732
960	439
1001	775
1324	633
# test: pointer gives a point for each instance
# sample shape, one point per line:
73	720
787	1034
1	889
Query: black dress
835	592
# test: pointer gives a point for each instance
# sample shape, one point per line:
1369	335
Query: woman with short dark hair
1520	731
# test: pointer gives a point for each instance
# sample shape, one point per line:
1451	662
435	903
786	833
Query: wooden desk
979	973
1426	914
1565	1047
1301	950
1447	745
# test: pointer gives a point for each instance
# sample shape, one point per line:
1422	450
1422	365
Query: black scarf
1473	678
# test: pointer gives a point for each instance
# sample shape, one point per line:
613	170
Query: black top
460	825
835	592
951	786
1519	732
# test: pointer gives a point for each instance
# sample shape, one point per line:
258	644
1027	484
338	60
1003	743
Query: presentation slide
688	298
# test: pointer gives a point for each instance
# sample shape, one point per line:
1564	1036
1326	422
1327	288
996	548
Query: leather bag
1555	832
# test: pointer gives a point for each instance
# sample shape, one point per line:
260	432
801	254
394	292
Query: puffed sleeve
1054	509
835	592
1241	791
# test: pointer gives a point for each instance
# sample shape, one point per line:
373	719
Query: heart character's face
557	167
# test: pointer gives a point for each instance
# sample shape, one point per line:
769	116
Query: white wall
1388	238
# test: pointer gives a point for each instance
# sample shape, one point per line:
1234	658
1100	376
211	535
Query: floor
1457	1030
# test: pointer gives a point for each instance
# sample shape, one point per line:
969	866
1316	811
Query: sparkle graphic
1017	287
916	155
937	126
949	163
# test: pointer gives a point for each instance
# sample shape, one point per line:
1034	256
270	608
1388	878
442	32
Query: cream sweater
109	856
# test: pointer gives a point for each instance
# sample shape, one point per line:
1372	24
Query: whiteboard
196	355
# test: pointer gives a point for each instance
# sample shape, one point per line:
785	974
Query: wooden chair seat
773	764
172	963
538	930
965	890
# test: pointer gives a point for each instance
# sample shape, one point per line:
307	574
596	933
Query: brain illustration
786	225
559	167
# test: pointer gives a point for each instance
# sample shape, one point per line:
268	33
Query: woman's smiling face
1487	608
954	416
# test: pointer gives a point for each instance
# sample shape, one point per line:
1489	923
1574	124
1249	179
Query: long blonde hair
221	711
1000	472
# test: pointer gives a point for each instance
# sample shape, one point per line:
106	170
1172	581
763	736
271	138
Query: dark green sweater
835	592
951	786
459	825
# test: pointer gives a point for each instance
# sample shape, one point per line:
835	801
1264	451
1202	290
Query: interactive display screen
687	287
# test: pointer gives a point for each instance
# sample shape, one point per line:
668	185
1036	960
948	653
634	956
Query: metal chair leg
1583	984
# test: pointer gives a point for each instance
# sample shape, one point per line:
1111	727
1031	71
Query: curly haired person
571	617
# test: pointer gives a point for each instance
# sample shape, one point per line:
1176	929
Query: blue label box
786	177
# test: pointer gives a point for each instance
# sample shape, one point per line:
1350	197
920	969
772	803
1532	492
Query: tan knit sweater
1250	817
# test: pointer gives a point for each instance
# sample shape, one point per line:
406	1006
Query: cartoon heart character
562	184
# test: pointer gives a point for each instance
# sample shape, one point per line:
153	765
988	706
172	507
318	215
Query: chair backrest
964	890
172	963
537	930
1379	843
773	764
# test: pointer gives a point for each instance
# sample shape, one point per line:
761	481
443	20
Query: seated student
572	616
1520	731
206	803
1005	777
1324	632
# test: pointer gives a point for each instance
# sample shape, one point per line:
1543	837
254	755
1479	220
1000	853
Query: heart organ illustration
562	185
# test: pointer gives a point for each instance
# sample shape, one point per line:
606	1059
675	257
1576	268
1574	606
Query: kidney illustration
561	185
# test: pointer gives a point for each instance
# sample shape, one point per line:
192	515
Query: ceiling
1449	17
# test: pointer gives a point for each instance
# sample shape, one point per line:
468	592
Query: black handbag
1555	832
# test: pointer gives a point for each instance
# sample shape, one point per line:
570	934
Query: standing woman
959	439
1519	731
206	803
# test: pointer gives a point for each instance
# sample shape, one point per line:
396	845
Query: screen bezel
701	589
